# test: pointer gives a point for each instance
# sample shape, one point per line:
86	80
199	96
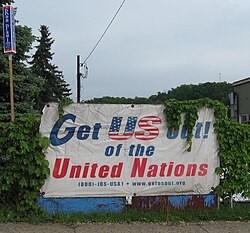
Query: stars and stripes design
146	124
114	131
149	132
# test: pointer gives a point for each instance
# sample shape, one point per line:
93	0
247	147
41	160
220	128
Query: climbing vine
62	104
233	140
23	167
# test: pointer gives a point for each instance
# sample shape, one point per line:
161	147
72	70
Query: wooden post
231	201
11	88
218	201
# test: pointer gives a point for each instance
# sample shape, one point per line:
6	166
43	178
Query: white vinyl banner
102	150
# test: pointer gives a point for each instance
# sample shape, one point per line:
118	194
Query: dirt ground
213	227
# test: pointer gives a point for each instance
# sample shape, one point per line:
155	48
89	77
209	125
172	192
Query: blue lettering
150	150
171	134
207	126
198	130
140	150
97	127
184	132
83	132
109	151
54	140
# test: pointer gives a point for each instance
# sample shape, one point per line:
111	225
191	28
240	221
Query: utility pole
78	75
219	77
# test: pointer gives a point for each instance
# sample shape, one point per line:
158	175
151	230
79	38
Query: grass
241	212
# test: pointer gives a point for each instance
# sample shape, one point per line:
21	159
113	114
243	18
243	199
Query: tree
216	91
118	100
26	85
159	98
23	42
55	88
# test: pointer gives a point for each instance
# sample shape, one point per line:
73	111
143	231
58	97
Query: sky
152	45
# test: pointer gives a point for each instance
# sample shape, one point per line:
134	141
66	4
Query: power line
104	32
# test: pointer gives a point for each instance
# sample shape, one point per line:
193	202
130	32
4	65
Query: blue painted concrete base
85	205
117	204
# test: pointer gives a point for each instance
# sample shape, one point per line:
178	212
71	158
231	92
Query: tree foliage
118	100
215	91
24	40
26	89
23	167
55	88
26	84
34	86
6	2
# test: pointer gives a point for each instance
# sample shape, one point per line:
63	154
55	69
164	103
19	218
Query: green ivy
63	103
23	167
233	140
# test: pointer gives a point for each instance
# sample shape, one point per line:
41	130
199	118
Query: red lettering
75	171
152	170
104	171
116	171
57	167
139	167
93	170
170	168
203	169
162	171
179	170
85	170
191	169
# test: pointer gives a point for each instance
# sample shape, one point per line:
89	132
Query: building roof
242	81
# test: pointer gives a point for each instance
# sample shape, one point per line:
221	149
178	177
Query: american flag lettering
114	130
149	132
